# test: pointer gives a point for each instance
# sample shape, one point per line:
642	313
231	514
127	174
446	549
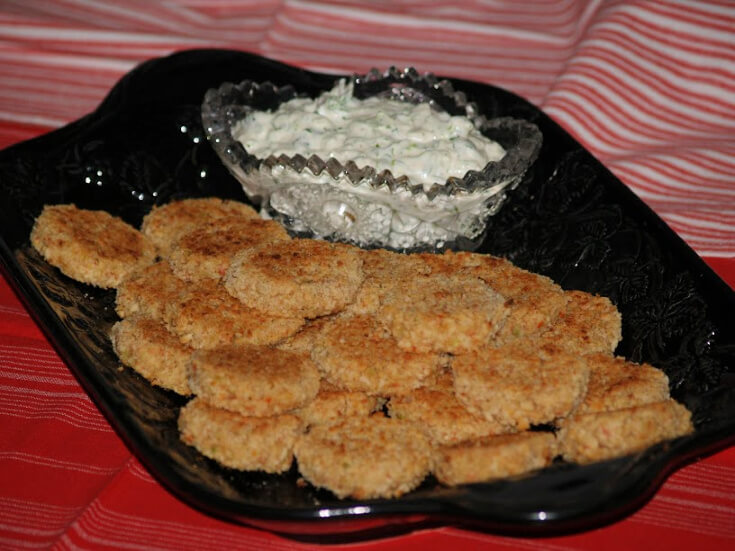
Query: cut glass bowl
336	199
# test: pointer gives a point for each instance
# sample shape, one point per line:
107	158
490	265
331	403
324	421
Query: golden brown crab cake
597	436
494	457
615	383
332	405
364	457
300	277
519	387
150	349
589	323
441	416
164	225
148	291
90	246
240	442
384	271
358	353
534	301
206	316
206	252
443	314
253	380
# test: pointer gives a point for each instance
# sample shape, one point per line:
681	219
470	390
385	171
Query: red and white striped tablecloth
646	86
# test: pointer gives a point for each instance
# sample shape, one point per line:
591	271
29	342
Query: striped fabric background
648	87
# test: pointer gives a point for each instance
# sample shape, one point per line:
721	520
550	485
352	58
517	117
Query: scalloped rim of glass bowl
223	107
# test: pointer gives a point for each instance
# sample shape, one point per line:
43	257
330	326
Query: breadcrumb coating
147	291
385	272
240	442
207	252
364	457
90	246
206	316
604	435
441	416
534	301
253	380
332	405
443	314
358	353
306	337
150	349
519	387
300	277
164	225
589	323
494	457
615	383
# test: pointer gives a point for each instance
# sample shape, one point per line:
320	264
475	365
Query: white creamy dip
417	141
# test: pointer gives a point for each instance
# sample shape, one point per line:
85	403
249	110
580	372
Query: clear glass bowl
339	200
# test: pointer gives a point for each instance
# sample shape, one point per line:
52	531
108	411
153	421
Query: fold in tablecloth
648	87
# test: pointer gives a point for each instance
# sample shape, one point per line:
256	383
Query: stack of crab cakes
371	369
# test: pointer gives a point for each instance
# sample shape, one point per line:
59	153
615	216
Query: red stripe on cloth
648	86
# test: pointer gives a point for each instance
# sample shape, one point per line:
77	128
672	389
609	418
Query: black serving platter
570	219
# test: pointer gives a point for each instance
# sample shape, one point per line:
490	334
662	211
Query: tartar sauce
408	139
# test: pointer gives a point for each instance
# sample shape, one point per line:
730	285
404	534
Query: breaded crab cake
520	387
358	353
206	252
150	349
615	383
253	380
164	225
90	246
598	436
148	291
240	442
300	277
589	323
364	457
443	314
206	316
494	457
